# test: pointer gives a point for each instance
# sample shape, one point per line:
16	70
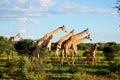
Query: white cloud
46	3
77	8
23	9
24	19
34	21
34	14
22	1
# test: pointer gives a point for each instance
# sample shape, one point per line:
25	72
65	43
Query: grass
52	69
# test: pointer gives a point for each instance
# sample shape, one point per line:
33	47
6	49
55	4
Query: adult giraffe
61	40
73	47
11	42
46	41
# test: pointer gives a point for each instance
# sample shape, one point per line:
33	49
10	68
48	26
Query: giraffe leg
49	48
93	60
34	54
56	52
66	55
73	59
88	58
74	53
62	57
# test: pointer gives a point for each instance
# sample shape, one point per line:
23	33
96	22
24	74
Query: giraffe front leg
49	48
33	55
56	52
62	57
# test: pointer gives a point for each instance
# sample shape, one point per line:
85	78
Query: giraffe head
99	44
89	37
87	31
18	35
63	28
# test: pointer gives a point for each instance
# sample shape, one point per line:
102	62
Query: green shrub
4	45
111	50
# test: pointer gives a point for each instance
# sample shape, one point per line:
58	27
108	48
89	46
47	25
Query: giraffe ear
72	30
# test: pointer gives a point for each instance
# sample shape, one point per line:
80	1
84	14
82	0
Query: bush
4	45
32	71
111	50
25	46
22	69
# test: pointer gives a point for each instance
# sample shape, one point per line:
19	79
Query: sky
34	18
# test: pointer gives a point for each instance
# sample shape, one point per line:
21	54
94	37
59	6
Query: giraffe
78	41
91	54
68	43
47	40
11	42
73	47
60	41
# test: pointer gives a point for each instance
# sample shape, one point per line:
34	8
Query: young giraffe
11	42
73	47
68	43
47	40
90	55
60	41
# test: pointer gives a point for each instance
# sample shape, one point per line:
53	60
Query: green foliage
80	76
4	45
25	46
111	50
53	46
22	69
74	69
31	71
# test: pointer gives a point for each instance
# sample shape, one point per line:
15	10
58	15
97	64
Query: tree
111	50
118	6
25	46
4	45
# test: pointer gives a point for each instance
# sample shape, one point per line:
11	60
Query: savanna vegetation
106	67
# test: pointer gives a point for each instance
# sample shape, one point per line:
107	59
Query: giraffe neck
78	41
66	37
78	35
94	49
12	38
15	37
55	32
